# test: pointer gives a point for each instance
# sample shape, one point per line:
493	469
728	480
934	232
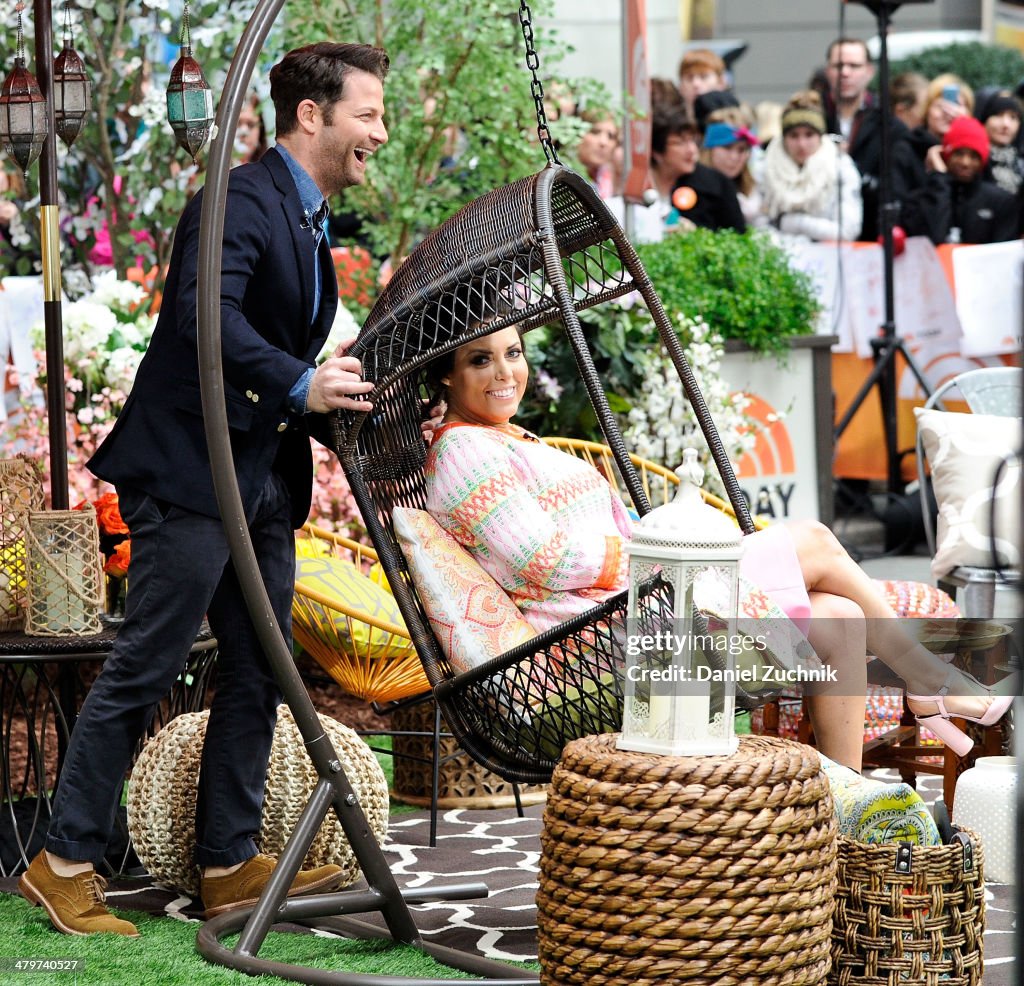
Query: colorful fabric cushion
875	812
964	452
917	600
472	617
342	581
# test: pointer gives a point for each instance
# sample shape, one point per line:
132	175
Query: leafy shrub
741	284
976	63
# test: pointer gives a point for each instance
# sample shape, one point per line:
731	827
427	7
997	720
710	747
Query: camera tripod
887	344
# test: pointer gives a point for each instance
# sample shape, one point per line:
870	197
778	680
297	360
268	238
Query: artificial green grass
166	953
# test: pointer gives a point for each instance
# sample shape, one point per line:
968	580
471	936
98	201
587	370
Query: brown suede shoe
243	887
75	904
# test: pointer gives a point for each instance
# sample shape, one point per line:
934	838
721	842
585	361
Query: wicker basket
162	797
909	915
21	490
697	870
462	782
65	576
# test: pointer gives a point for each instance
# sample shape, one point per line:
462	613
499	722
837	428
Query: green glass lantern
71	88
23	126
189	97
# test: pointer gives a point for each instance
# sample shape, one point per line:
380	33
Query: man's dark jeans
181	571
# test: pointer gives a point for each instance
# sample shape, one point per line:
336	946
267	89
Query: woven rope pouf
695	870
162	797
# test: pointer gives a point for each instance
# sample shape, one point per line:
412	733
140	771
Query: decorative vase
985	802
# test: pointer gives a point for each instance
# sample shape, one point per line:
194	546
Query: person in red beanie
956	204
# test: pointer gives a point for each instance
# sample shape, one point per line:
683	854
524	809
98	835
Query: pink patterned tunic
545	525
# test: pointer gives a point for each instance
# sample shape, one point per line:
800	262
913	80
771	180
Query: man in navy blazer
278	301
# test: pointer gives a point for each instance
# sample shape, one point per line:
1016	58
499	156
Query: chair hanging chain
536	87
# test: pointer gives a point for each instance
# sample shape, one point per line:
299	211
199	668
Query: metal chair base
383	895
324	912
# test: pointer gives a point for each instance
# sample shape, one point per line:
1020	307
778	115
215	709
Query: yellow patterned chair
347	621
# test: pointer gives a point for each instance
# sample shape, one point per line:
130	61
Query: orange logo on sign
772	453
684	198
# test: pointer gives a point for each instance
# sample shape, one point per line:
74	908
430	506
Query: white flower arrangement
662	422
106	333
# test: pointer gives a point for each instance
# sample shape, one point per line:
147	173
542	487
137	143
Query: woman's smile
488	379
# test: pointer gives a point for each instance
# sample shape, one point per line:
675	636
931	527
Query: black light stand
887	343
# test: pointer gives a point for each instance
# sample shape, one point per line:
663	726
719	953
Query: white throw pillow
964	452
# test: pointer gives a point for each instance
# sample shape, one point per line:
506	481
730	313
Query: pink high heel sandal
939	722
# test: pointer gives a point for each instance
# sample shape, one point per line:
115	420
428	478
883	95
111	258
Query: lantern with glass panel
680	672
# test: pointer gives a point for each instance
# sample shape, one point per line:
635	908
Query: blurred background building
785	39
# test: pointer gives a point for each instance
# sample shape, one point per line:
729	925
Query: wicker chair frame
531	253
659	483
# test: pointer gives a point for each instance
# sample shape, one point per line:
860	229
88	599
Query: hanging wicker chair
659	482
535	252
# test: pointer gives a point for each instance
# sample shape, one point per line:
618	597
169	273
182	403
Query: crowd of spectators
812	167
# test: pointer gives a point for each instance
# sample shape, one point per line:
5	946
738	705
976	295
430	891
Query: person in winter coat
810	187
1001	114
957	205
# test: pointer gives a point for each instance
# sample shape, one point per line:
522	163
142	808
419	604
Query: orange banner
638	91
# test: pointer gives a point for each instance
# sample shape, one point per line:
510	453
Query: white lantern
680	672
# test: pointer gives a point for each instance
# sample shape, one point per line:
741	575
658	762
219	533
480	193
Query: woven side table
695	870
462	782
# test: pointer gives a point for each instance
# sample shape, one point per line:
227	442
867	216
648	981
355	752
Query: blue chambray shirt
311	198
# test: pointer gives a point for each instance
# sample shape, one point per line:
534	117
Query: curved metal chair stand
535	252
333	792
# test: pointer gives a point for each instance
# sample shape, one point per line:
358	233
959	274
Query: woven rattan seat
535	252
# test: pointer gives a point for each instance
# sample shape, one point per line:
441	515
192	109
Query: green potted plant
735	286
741	284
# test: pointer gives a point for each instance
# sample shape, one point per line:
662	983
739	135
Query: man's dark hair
318	72
669	123
848	41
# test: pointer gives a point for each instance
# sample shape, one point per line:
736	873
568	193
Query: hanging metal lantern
23	126
189	98
71	87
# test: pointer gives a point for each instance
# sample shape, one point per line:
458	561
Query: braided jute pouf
162	797
695	870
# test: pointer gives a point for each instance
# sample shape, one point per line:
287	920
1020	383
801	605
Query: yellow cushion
376	574
342	581
472	617
12	574
312	548
872	811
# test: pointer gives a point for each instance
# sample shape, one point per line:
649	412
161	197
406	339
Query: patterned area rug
501	850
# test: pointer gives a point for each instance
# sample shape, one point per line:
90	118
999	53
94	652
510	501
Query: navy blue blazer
158	443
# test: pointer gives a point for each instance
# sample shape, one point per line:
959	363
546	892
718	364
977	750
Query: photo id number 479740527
14	963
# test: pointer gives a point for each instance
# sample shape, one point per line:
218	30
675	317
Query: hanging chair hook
536	86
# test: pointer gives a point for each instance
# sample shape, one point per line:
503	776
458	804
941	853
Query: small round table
697	870
40	689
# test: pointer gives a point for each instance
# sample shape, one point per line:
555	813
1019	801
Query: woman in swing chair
551	530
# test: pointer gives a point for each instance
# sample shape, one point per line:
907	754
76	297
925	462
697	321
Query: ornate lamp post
678	702
31	114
